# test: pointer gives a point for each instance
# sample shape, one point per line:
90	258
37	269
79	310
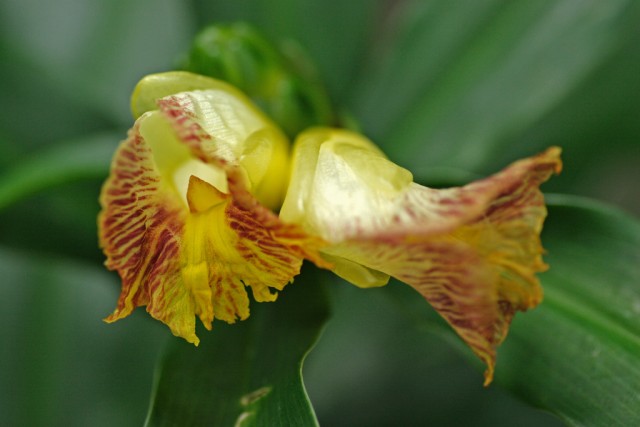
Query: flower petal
221	125
472	252
140	227
153	87
196	117
193	254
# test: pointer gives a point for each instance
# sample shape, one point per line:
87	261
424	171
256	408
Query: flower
184	215
472	252
188	217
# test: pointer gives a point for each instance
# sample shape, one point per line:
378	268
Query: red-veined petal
141	224
473	252
193	254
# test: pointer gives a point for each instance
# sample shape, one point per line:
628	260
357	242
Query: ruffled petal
141	224
226	248
473	252
256	141
185	231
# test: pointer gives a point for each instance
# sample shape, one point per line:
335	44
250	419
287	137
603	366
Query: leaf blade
470	98
84	159
587	371
247	374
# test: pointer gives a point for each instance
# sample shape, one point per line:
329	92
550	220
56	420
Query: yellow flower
188	217
184	215
472	251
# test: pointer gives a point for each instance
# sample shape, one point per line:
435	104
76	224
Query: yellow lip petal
186	244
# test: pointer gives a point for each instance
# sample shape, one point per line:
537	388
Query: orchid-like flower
189	217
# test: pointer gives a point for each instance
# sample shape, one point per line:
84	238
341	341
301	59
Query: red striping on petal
263	248
262	227
472	252
177	109
133	223
146	235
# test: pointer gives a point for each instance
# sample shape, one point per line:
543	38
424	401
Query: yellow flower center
195	168
241	134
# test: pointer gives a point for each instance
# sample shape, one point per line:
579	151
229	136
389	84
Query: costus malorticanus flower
189	217
473	252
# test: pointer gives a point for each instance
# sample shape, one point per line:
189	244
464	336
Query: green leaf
247	374
149	34
578	353
87	158
88	55
60	364
385	359
474	84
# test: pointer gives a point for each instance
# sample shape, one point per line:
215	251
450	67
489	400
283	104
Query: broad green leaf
473	84
90	52
87	158
28	121
246	374
148	34
60	364
49	200
386	359
578	353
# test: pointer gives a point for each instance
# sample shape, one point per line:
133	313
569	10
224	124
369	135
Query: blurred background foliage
451	90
